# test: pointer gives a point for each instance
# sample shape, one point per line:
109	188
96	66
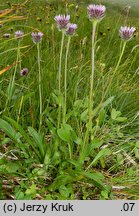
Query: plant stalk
65	82
40	85
117	65
90	107
59	79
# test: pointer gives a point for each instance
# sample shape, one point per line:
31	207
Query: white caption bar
68	208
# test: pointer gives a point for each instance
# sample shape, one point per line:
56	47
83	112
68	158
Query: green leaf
76	163
24	134
101	117
65	133
78	104
96	143
78	140
89	148
137	144
51	126
104	194
121	119
38	171
136	151
119	134
115	114
61	180
96	177
49	197
69	114
108	101
64	191
47	161
12	167
101	106
38	139
19	195
120	159
5	141
9	130
84	116
31	190
104	152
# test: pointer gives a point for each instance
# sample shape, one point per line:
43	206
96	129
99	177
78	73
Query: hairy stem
59	79
40	87
90	106
65	82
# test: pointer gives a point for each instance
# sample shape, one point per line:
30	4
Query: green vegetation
48	160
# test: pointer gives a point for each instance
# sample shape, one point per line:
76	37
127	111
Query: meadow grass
49	160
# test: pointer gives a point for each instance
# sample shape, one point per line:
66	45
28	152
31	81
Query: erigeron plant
95	14
70	31
62	22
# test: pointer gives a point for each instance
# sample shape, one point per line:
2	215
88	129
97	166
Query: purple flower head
6	35
62	21
37	37
127	33
24	72
96	12
19	34
71	28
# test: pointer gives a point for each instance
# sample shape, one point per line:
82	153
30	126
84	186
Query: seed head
19	34
37	37
71	28
127	33
62	21
24	72
96	12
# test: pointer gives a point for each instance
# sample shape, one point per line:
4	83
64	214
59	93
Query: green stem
65	82
21	103
40	90
13	78
19	59
90	107
117	65
59	79
121	55
70	150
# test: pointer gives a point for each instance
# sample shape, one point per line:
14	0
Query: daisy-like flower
36	37
62	21
127	33
71	28
24	72
96	12
18	34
